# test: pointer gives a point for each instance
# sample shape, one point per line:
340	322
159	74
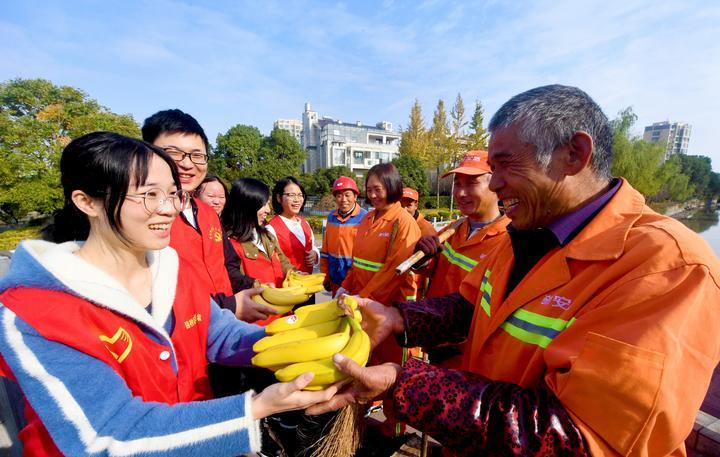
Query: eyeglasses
153	199
293	196
178	155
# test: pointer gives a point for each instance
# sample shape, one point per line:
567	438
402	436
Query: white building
330	143
294	126
673	136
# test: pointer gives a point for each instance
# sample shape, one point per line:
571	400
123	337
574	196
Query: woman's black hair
279	189
102	164
239	218
389	176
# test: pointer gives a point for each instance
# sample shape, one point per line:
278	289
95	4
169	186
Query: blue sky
229	62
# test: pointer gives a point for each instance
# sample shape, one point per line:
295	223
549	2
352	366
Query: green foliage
413	173
244	152
37	120
324	178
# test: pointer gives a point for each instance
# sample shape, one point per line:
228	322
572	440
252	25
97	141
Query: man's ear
86	203
577	153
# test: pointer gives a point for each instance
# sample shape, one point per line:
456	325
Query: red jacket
203	248
290	245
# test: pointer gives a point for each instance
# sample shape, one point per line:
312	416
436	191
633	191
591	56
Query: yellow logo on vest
190	323
215	234
120	343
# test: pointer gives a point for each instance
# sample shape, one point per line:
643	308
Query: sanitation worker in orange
478	233
592	326
410	201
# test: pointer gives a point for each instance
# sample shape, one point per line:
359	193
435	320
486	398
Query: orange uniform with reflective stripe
621	324
461	254
373	270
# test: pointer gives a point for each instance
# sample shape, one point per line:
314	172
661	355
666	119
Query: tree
636	160
325	177
478	137
413	140
438	143
243	152
457	142
413	174
37	120
236	150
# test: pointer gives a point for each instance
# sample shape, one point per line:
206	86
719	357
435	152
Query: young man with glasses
197	234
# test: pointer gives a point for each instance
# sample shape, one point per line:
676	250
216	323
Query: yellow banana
304	351
326	305
357	348
316	278
303	319
279	308
313	288
285	296
301	334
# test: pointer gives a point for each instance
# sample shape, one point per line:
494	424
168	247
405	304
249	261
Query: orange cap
474	163
409	192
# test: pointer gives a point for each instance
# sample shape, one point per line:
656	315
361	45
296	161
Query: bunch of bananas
297	288
307	340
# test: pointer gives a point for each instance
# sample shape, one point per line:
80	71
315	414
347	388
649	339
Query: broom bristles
343	438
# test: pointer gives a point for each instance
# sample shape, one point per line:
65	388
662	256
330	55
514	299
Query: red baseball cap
473	163
345	183
409	192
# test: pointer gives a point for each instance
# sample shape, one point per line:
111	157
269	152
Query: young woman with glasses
292	230
109	338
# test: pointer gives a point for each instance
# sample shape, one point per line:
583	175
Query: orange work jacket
621	324
373	270
460	254
426	227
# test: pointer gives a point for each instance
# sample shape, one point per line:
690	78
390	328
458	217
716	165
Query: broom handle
442	236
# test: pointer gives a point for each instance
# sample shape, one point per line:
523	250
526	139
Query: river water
708	227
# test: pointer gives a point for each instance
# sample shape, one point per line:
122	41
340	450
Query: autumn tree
439	139
413	139
478	136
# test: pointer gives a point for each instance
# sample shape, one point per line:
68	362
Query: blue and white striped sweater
87	407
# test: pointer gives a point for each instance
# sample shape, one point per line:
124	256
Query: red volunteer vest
204	249
290	245
259	266
105	335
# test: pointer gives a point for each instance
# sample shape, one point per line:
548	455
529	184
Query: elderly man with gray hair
591	327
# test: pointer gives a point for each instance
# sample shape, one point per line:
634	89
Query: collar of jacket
604	236
46	265
353	212
495	227
391	213
252	251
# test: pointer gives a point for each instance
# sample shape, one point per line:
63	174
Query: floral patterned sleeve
471	415
435	321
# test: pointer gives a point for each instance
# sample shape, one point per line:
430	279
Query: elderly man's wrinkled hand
379	321
367	384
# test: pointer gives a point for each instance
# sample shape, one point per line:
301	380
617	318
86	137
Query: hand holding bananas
288	396
380	321
297	288
369	383
307	340
249	310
